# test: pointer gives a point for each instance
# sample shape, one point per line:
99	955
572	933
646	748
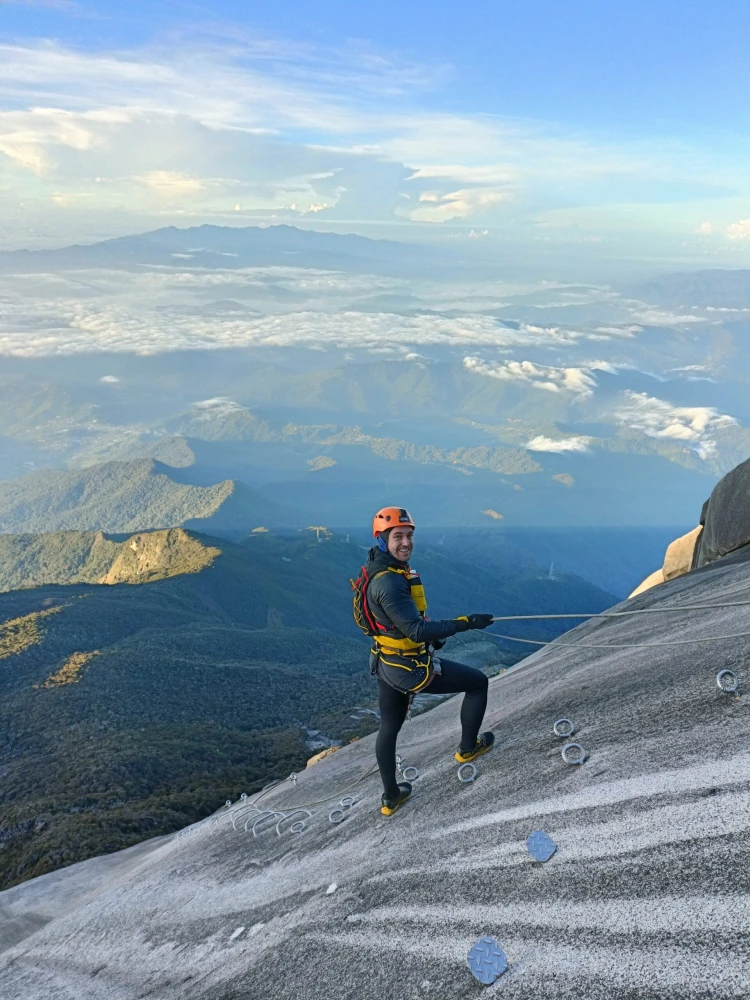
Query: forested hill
128	710
132	496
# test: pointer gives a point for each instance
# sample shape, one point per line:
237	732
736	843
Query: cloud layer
288	129
558	445
578	381
693	426
164	310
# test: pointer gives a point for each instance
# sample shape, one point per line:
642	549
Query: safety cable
317	802
618	645
622	614
539	642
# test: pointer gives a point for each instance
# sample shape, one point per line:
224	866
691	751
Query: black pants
393	706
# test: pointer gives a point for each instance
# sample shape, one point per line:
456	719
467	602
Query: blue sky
592	126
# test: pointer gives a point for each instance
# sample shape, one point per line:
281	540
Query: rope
622	614
620	645
317	802
550	642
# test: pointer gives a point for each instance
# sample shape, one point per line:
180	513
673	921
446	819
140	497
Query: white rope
619	645
622	614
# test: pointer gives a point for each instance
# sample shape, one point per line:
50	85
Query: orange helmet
391	517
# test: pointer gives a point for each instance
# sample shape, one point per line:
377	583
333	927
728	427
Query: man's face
400	543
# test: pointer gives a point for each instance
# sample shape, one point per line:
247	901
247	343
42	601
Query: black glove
437	643
472	621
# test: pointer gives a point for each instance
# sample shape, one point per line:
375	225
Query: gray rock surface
727	516
647	896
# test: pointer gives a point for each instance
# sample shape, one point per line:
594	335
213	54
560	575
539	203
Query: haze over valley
310	367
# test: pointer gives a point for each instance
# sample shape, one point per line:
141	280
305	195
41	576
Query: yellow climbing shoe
484	743
389	806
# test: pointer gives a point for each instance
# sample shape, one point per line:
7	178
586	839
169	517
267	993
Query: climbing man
389	605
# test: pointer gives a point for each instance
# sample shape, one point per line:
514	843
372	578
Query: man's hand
437	643
480	621
466	622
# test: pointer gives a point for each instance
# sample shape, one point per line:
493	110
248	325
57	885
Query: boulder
653	580
680	555
727	517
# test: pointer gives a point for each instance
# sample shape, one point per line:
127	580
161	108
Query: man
390	606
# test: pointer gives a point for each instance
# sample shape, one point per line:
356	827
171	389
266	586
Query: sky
589	128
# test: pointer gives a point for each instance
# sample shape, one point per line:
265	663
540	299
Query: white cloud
739	230
170	309
578	381
694	426
109	379
705	229
218	406
171	183
602	366
291	128
652	316
561	445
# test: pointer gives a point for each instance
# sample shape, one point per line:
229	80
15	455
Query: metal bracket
296	827
261	818
487	960
467	777
540	845
727	681
564	728
573	753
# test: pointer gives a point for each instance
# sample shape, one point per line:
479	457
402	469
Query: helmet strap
382	544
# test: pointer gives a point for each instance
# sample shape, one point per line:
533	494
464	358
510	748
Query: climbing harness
399	661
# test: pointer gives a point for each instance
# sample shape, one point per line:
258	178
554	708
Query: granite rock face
647	895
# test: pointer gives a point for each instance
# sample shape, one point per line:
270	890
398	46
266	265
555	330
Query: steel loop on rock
727	681
573	753
567	727
336	816
410	777
470	775
299	828
265	815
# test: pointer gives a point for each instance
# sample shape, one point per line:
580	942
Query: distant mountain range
228	247
129	708
725	288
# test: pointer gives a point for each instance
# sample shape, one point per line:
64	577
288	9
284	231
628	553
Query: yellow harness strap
406	646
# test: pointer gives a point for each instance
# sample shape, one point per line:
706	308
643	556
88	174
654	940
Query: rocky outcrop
156	555
70	557
724	528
